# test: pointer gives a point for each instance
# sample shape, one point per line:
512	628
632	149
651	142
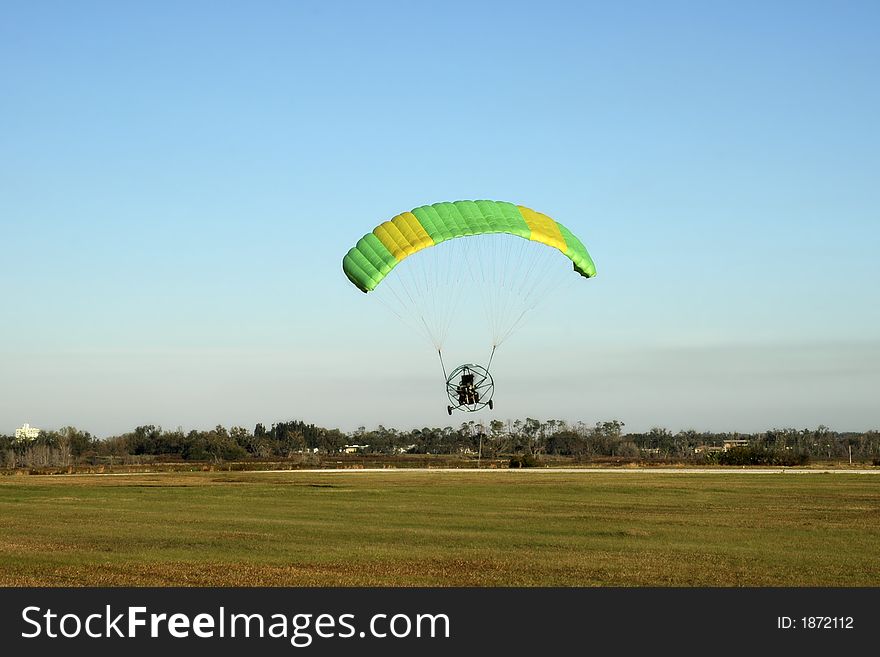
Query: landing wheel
491	405
449	409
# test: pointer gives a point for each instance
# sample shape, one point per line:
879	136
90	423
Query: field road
586	471
515	471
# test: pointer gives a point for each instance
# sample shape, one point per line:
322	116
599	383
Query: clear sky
180	180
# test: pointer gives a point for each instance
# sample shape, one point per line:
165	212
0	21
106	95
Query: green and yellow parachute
378	252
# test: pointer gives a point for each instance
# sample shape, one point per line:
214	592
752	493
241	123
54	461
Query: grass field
436	529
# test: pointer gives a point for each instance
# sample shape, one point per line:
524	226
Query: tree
605	437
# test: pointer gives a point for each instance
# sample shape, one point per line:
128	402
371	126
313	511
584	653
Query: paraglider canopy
378	252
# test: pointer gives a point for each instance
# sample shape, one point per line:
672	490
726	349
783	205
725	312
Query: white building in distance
26	432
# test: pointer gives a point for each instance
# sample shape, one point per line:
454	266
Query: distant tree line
530	437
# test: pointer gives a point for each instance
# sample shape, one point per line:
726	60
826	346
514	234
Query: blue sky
179	182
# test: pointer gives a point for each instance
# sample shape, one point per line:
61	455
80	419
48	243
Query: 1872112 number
827	622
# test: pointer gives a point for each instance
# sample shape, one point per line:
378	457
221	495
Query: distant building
26	432
725	446
353	449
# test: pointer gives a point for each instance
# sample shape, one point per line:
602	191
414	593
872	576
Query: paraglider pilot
467	392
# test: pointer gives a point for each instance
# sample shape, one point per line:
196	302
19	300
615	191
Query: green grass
435	529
